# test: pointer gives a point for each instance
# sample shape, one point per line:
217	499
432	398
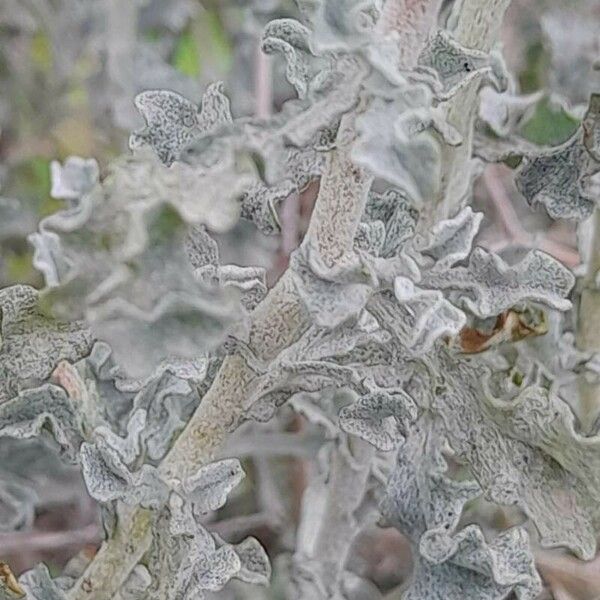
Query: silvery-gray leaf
250	281
426	316
182	324
201	195
108	478
260	201
279	384
478	570
208	572
426	505
169	402
408	158
450	241
379	418
333	92
46	408
287	170
201	249
255	566
128	448
556	180
331	295
454	65
370	237
488	285
38	585
32	342
173	122
524	460
111	254
74	178
184	559
209	487
290	38
396	211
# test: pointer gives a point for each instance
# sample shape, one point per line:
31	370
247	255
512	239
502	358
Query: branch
330	520
588	330
478	24
277	322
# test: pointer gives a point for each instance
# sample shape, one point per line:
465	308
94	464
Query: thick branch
411	20
478	24
276	323
588	331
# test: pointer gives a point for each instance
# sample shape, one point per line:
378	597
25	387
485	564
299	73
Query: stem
277	322
331	527
411	20
588	331
478	24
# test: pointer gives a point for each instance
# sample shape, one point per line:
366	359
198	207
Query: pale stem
478	25
588	331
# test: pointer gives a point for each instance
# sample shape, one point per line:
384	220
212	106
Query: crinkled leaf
32	342
169	402
342	24
46	408
290	38
531	456
108	265
426	505
331	295
379	418
108	478
184	559
173	122
450	241
428	316
255	566
559	178
555	179
396	211
453	65
209	487
488	285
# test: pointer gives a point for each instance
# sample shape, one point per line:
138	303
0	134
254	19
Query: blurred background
69	70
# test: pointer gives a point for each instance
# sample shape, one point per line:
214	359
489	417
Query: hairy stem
276	323
478	24
588	331
329	528
411	20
